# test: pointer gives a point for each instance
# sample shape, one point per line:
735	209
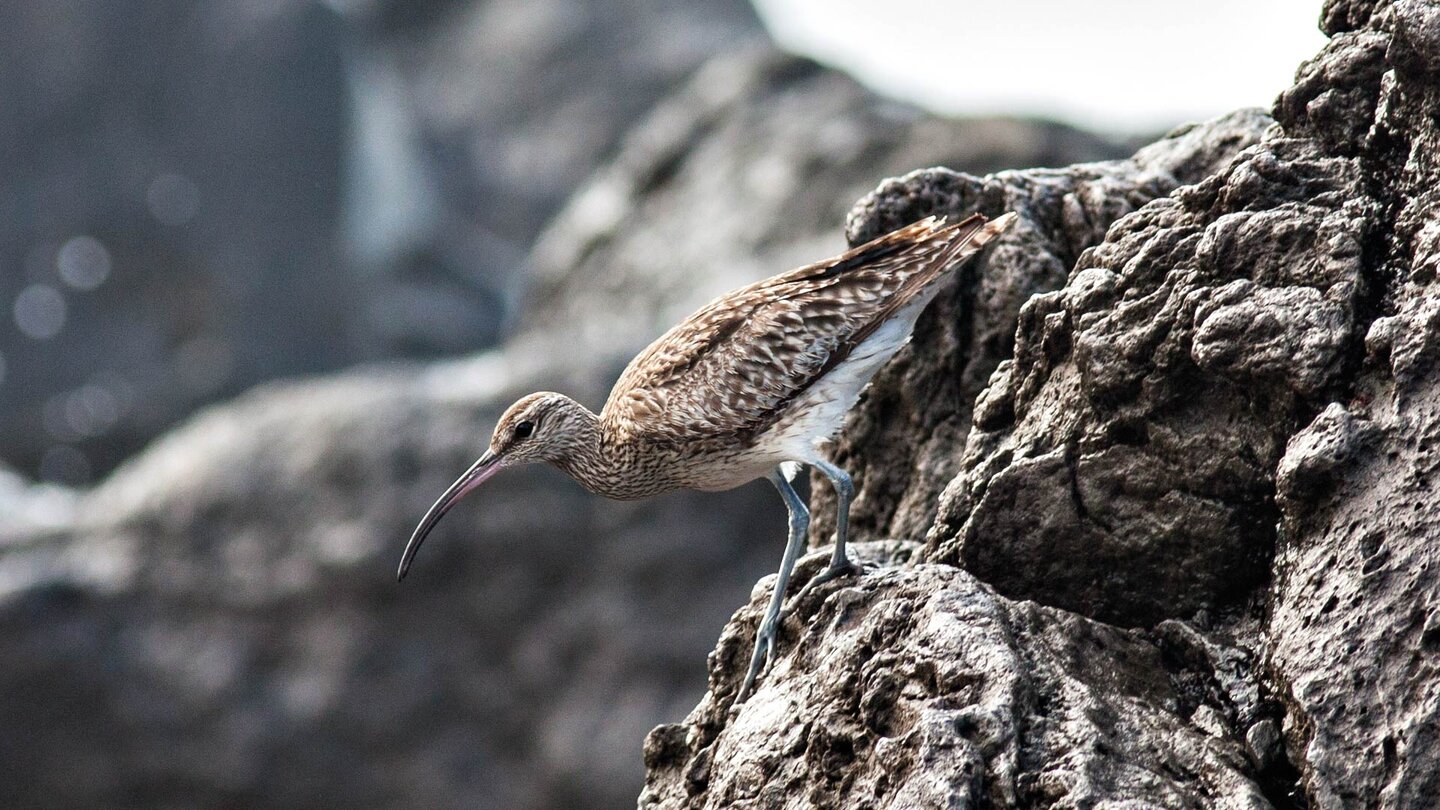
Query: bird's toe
759	660
848	568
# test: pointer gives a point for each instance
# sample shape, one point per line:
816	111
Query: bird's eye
524	429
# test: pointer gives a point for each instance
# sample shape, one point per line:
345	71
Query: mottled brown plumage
754	380
729	370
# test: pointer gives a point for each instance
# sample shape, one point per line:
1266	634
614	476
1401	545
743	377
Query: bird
753	385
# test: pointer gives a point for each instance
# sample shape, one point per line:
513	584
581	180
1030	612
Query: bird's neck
601	466
585	458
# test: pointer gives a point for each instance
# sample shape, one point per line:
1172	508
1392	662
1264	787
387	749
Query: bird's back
727	374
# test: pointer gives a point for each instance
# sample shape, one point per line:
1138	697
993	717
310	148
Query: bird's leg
840	564
765	638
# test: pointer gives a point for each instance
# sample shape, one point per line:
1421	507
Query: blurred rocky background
198	196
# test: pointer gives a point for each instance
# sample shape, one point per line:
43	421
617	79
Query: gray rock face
1158	391
221	623
1353	629
217	623
920	687
1222	427
1063	212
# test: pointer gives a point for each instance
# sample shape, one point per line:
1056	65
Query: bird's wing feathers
730	368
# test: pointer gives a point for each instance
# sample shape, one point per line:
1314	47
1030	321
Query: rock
1352	630
27	506
1316	457
919	409
1015	542
1291	334
1218	421
920	687
1262	741
221	622
1162	401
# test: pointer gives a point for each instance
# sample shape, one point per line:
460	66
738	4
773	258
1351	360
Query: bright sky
1114	65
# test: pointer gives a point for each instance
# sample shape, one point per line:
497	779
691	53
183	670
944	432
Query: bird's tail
966	237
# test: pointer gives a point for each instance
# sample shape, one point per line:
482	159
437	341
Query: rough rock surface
1355	624
1149	401
901	444
217	623
1220	432
919	687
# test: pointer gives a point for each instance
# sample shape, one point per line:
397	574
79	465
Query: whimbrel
749	387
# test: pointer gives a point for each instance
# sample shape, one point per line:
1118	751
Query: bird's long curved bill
479	473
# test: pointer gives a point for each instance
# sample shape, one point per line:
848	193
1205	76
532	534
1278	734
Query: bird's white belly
819	413
816	415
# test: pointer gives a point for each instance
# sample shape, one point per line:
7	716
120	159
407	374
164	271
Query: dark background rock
221	624
200	195
216	623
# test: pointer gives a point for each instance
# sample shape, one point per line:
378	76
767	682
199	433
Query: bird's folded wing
730	369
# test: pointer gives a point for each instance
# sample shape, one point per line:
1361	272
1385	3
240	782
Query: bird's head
543	426
537	427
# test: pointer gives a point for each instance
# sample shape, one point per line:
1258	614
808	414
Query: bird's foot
760	658
764	653
845	568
